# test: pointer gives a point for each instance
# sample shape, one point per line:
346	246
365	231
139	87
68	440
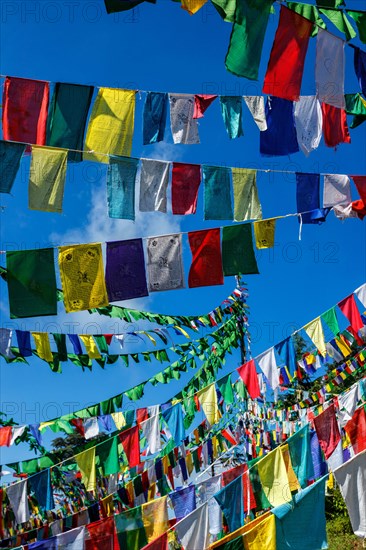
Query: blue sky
161	48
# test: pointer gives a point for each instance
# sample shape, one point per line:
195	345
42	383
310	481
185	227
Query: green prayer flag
340	20
309	12
46	461
360	18
226	389
163	486
108	456
356	105
226	9
136	393
31	283
101	343
330	3
237	250
260	497
247	37
196	461
107	406
30	466
130	529
241	389
330	319
60	340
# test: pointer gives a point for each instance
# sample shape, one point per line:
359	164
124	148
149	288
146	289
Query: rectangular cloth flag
47	179
202	103
151	430
307	194
102	535
165	265
25	108
125	270
280	137
67	117
86	464
31	283
155	518
248	374
217	195
71	540
130	529
314	330
154	117
237	250
121	178
5	342
205	490
183	501
208	401
286	64
273	476
308	122
90	346
356	430
360	68
231	501
300	453
186	179
246	201
337	190
131	446
82	277
41	485
206	266
246	42
193	530
10	157
327	430
184	127
154	180
335	129
255	104
109	456
330	69
231	110
173	416
17	495
349	309
111	125
264	232
267	364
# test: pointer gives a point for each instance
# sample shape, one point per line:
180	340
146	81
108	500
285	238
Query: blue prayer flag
280	137
231	502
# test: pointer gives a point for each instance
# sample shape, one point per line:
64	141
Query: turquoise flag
300	453
231	502
231	109
217	197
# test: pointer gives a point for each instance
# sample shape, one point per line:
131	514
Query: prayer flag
184	127
361	293
205	491
86	464
206	266
10	157
356	430
262	535
329	69
264	232
151	430
309	12
173	416
286	351
125	270
154	117
17	495
154	180
102	535
109	456
237	250
41	485
201	104
82	277
267	364
186	179
47	179
286	64
90	346
360	19
246	201
337	190
43	348
308	122
130	529
165	266
5	342
111	125
192	6
280	136
340	20
315	332
231	500
331	319
255	104
193	530
248	374
317	456
273	477
307	194
327	430
121	188
131	446
231	110
360	182
208	400
5	436
335	129
349	308
155	518
300	453
226	389
71	540
183	501
217	195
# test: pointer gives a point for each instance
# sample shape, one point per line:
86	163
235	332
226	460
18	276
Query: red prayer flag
103	535
335	129
25	109
79	425
201	104
5	436
360	183
286	63
108	338
206	267
141	415
160	543
233	473
186	179
356	430
327	430
229	436
360	208
349	308
248	374
131	446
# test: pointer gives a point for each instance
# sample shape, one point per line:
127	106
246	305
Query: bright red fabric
206	267
248	374
335	129
141	415
79	425
233	473
25	109
5	436
286	63
356	430
103	535
360	183
201	104
229	436
360	208
327	430
131	446
158	544
186	179
349	308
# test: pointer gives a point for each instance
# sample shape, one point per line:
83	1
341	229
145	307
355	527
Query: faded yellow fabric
215	447
90	346
294	484
192	6
131	492
111	125
86	463
47	179
345	349
151	492
273	476
330	481
82	276
43	347
119	420
165	464
241	531
246	201
314	330
107	506
264	232
155	518
189	462
262	536
208	401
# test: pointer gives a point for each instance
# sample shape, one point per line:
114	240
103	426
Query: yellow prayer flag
208	400
47	179
90	346
155	518
192	6
263	535
119	420
314	330
182	331
151	491
131	492
215	447
189	462
111	125
264	232
43	347
246	201
343	346
292	479
241	531
273	476
363	101
107	506
86	463
82	276
165	464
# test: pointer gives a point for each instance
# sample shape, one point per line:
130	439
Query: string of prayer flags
335	129
202	103
31	283
111	124
247	36
255	104
47	179
248	374
25	109
183	126
10	157
206	266
193	530
82	277
327	430
121	187
165	266
237	250
217	196
308	122
186	179
246	201
286	64
130	442
264	232
125	270
231	110
360	18
330	69
349	308
67	118
337	190
154	117
154	180
280	136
